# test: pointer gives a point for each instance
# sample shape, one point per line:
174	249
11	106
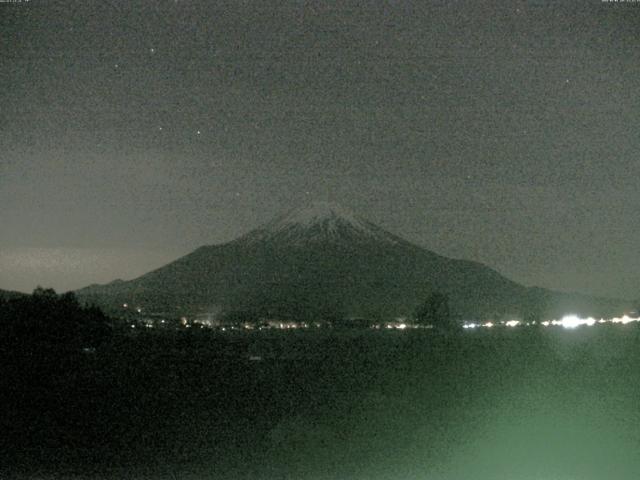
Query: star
198	132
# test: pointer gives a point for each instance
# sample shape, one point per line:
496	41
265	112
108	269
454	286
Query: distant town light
573	321
624	320
512	323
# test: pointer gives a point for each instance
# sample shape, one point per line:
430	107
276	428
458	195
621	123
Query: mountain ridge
324	260
9	294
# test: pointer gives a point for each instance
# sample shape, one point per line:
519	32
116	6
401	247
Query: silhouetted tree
51	321
435	311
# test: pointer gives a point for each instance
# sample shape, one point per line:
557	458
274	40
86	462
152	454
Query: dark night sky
503	132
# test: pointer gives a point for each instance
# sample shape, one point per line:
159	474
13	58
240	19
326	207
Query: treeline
50	321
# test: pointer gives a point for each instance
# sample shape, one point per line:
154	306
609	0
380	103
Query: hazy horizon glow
64	269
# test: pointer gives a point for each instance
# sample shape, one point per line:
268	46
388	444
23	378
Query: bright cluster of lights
573	321
568	321
624	320
397	326
480	325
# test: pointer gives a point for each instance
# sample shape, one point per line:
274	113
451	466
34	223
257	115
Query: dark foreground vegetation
46	321
502	404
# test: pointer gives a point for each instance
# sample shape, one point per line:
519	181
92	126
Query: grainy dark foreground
510	404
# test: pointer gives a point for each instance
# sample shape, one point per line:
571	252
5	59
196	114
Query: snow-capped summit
319	221
317	213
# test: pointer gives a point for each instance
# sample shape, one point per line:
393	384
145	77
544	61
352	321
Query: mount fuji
323	260
318	224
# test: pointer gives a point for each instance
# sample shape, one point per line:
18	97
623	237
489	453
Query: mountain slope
9	294
325	261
